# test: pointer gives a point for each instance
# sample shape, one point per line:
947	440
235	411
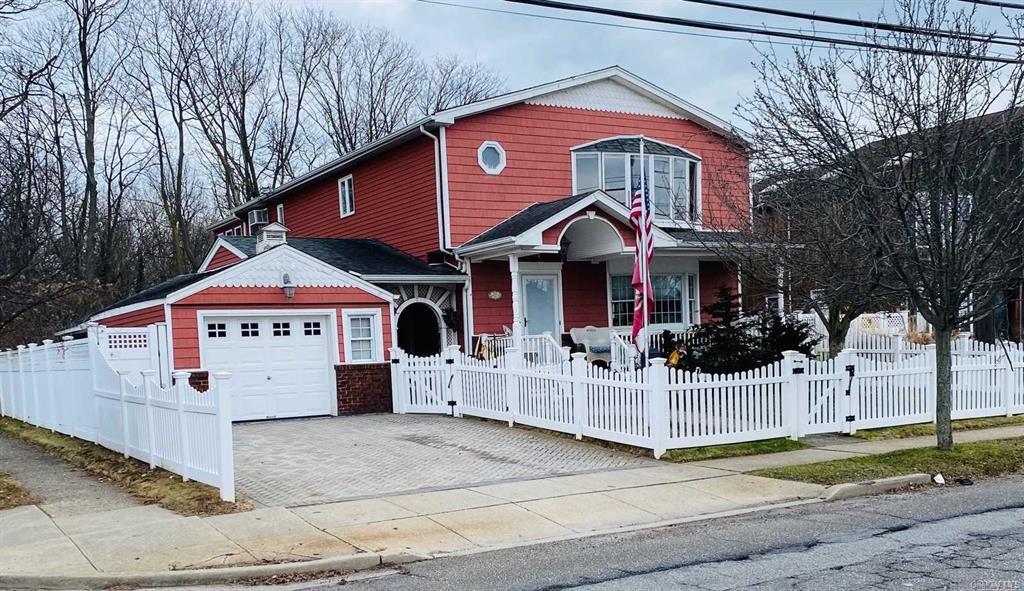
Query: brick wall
200	380
364	388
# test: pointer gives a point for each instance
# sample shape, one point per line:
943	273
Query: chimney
270	236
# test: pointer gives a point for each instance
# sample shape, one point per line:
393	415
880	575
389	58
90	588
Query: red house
507	214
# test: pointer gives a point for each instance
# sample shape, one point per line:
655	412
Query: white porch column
517	309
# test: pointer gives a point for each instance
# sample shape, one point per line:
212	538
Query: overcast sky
711	72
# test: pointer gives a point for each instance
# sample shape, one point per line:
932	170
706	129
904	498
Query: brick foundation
200	380
364	388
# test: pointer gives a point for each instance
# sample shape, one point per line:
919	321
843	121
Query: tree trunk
943	385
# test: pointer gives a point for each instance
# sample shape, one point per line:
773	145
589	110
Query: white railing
71	387
538	350
623	352
661	408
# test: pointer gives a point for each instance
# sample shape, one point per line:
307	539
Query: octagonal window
491	157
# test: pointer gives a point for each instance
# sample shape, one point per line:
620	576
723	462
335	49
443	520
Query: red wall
184	313
713	275
222	258
143	317
396	202
537	141
584	294
489	315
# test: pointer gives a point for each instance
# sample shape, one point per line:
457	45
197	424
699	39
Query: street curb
873	487
202	577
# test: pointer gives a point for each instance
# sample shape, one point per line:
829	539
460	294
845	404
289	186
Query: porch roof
527	218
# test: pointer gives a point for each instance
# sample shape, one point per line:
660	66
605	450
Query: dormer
271	235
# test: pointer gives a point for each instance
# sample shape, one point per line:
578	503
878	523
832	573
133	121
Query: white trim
270	255
622	243
502	156
441	328
531	269
220	243
126	309
352	193
332	338
378	344
445	200
280	213
467	309
170	337
439	279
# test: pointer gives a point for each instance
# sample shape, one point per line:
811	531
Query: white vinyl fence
661	408
107	395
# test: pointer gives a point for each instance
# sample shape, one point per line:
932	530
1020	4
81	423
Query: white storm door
541	303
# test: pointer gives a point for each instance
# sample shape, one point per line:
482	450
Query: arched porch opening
419	328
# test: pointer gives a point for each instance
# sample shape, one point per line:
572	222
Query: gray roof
527	218
631	145
159	290
365	256
694	236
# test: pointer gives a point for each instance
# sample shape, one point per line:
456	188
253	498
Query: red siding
714	275
143	317
537	141
585	294
490	315
184	313
396	202
222	258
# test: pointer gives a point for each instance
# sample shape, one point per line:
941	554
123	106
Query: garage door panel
278	371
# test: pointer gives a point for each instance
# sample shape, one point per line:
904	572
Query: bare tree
922	153
451	82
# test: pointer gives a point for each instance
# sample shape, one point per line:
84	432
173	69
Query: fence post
147	393
93	340
179	383
51	390
793	369
398	396
451	361
932	393
657	374
963	341
513	362
122	382
65	340
578	370
901	344
1007	383
33	353
225	454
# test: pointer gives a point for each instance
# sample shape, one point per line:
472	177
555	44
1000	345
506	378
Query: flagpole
645	272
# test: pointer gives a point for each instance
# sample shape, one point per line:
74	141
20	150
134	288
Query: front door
540	304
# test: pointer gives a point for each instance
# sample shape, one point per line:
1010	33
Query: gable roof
526	219
617	74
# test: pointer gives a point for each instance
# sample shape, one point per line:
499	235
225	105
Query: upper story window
347	196
257	217
491	157
671	173
280	213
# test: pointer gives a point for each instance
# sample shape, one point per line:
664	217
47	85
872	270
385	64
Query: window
675	300
672	180
280	213
257	217
491	157
347	196
773	303
282	329
311	329
216	331
362	330
250	329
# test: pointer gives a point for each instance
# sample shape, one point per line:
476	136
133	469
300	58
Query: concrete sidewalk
150	539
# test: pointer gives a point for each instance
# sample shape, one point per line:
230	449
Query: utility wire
998	3
697	24
852	22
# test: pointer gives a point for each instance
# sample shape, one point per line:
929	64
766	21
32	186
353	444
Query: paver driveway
307	461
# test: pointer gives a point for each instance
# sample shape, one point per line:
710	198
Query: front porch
534	281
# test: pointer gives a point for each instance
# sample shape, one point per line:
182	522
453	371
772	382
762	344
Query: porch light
288	287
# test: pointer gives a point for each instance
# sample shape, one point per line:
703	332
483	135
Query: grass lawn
751	448
151	486
905	431
973	460
12	494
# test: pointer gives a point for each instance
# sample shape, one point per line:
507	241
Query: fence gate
137	349
423	383
824	397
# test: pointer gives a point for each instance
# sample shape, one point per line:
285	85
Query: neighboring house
505	213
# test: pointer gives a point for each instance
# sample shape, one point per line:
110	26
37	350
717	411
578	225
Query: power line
697	24
852	22
998	3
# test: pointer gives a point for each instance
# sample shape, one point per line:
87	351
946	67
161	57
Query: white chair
596	343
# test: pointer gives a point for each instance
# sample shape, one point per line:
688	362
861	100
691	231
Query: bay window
675	300
672	175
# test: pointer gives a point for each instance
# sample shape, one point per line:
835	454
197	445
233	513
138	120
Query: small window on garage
282	329
311	329
216	331
250	329
363	336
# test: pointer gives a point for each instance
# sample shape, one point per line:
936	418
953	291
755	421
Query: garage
281	364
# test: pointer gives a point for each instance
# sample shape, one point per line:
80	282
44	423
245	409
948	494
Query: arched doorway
419	330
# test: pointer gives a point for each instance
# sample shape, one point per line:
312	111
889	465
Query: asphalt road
958	537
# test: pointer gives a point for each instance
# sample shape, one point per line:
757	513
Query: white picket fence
661	408
71	387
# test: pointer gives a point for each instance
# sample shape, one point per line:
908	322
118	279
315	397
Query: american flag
640	218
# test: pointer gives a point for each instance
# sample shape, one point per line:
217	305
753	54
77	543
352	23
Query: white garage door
280	365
